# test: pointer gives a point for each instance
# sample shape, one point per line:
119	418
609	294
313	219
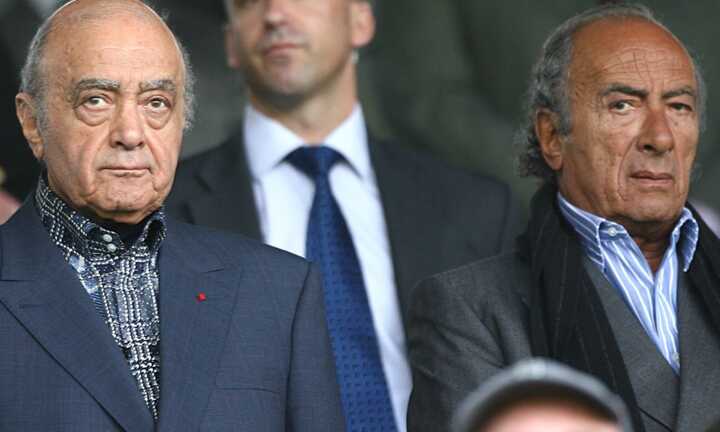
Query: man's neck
312	122
652	239
312	118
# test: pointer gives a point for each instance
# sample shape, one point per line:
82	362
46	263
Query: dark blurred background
446	76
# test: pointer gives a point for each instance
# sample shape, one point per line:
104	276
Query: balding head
549	84
33	79
104	102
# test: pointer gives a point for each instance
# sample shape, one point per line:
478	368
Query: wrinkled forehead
642	62
629	49
120	30
83	10
116	48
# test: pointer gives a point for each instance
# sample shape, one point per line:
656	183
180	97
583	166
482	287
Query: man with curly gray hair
615	275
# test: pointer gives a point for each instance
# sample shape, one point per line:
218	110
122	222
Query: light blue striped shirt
651	297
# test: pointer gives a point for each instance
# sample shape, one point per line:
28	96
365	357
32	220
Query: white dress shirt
284	196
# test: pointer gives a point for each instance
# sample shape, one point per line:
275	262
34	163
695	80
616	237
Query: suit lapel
193	330
699	362
229	203
699	334
42	291
401	232
408	203
655	384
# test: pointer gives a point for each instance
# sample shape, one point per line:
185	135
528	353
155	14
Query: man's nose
127	128
275	11
657	135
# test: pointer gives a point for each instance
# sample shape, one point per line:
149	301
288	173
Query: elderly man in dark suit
113	316
615	275
303	174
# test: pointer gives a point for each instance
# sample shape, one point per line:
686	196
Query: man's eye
95	102
158	104
621	106
681	107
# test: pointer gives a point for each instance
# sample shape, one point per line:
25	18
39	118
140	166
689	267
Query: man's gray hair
548	89
33	80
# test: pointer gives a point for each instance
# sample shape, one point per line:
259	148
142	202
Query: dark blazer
437	218
468	323
254	356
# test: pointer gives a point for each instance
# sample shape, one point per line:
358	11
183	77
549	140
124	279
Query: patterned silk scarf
121	279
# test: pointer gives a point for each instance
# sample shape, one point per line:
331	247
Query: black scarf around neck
567	319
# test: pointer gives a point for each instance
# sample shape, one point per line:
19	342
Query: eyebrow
625	89
685	90
113	85
94	83
641	93
159	84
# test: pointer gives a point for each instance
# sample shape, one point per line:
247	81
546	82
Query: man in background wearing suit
304	162
112	316
614	276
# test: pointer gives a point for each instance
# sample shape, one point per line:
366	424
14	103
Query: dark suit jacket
468	323
254	356
437	218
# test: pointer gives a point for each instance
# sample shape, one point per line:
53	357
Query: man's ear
233	60
362	23
548	134
26	110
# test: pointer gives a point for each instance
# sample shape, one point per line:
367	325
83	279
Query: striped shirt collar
592	229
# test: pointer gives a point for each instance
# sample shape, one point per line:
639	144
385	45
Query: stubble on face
277	72
290	54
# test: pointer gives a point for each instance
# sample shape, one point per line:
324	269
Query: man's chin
659	205
655	214
130	213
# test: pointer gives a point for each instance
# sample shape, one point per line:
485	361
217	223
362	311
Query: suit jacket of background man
254	356
437	218
468	323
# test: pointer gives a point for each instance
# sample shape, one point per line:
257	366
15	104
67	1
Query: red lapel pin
201	297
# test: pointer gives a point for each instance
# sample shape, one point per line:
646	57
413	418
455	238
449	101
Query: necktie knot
314	161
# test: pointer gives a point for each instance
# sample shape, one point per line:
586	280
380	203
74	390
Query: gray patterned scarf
121	278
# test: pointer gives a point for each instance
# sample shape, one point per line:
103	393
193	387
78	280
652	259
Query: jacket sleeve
313	394
451	352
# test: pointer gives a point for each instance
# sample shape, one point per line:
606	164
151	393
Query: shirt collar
68	227
268	142
592	229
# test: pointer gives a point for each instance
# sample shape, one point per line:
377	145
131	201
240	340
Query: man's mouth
124	171
651	178
277	48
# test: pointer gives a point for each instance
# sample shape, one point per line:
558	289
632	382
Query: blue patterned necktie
364	392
